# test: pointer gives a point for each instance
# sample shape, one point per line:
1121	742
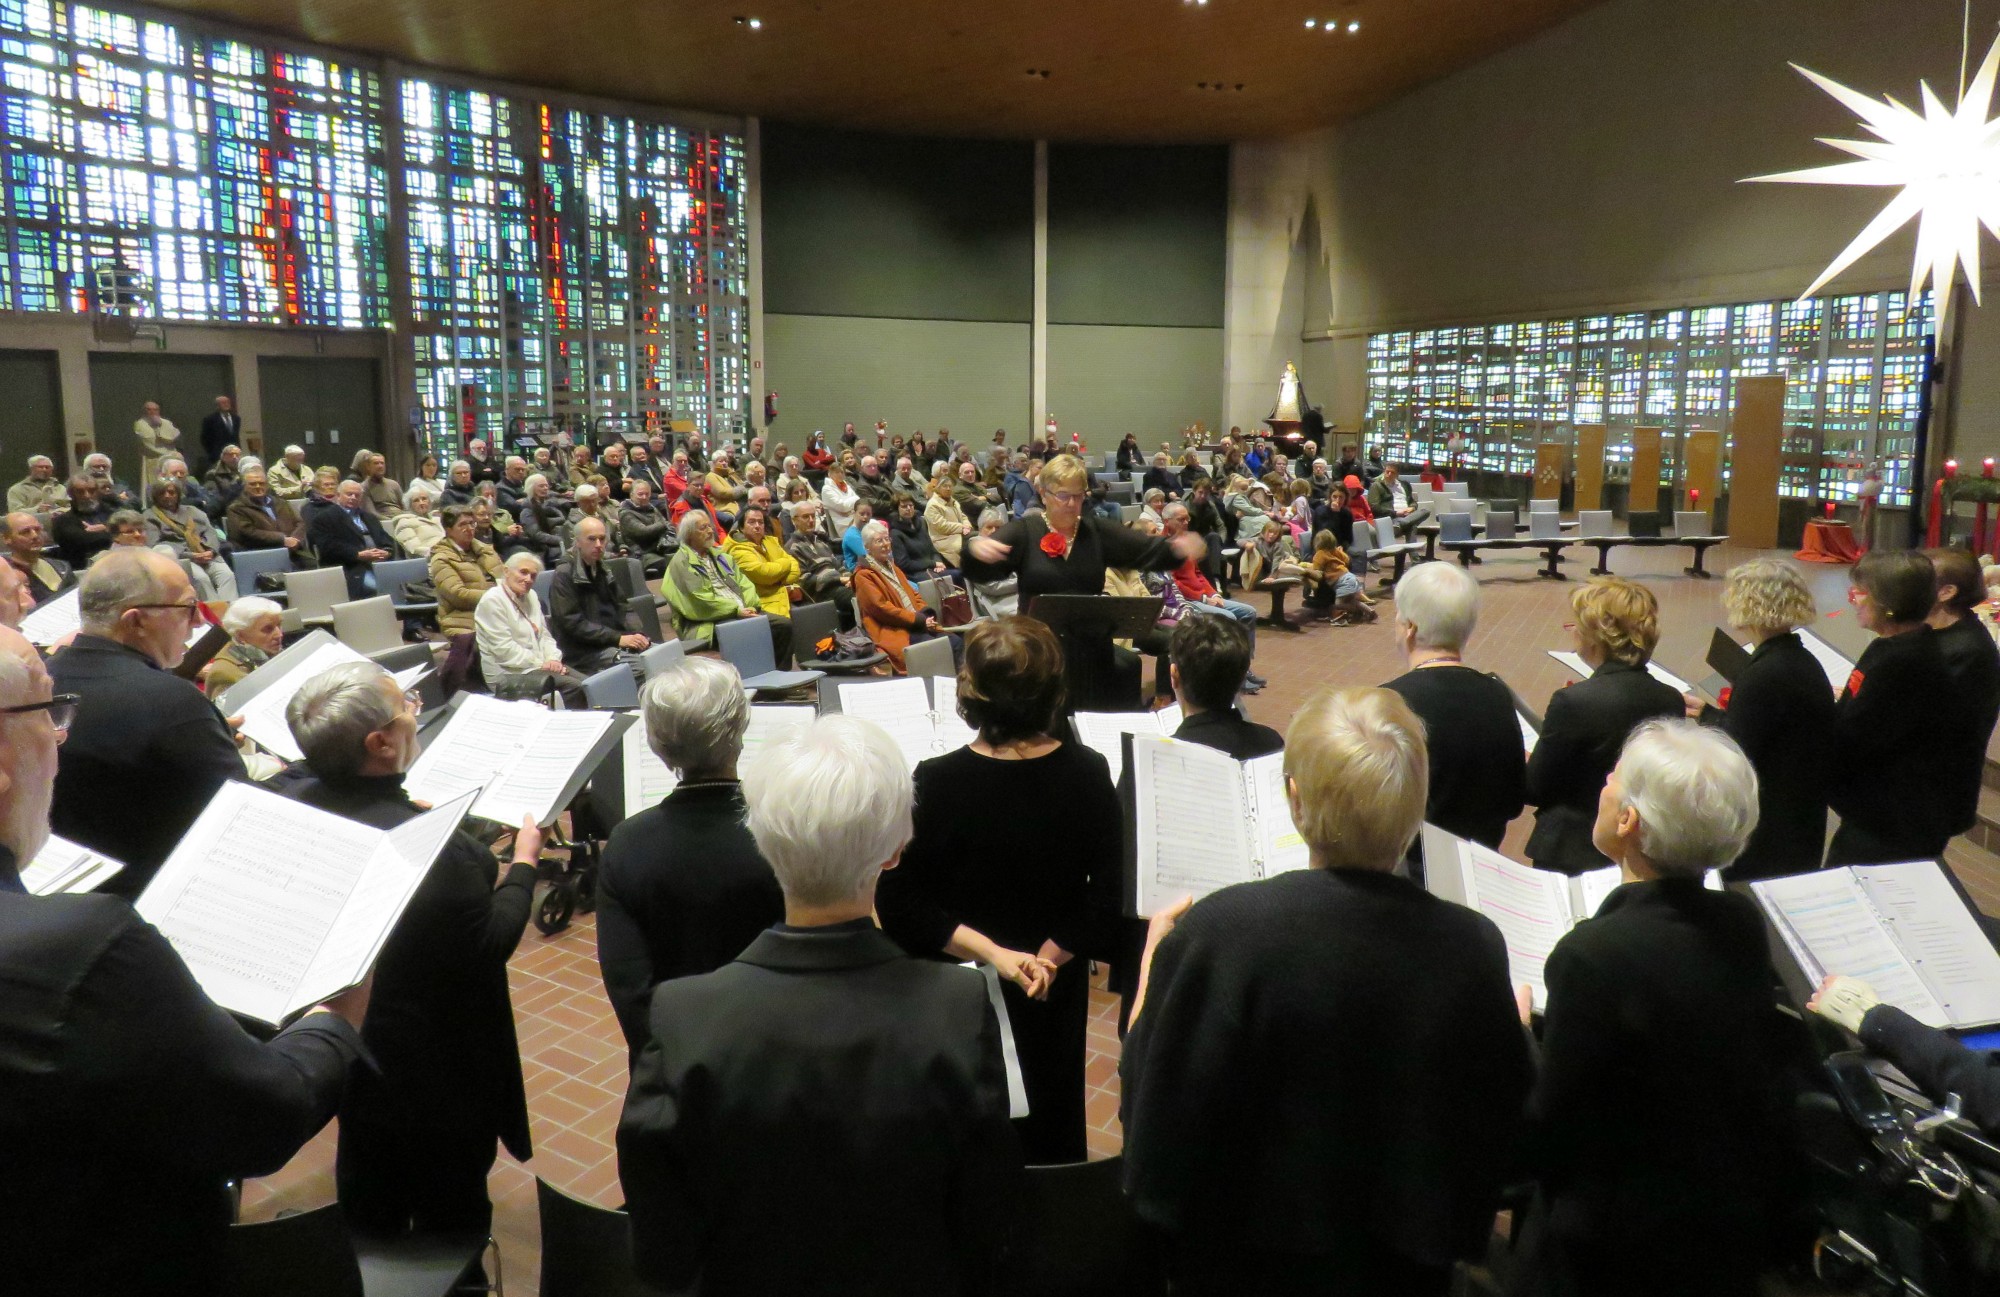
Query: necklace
1450	660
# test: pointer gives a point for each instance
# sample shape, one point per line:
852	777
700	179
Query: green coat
696	601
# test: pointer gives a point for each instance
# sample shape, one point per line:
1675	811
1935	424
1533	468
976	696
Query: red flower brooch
1054	545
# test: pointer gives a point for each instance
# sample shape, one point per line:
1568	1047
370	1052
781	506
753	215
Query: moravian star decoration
1947	164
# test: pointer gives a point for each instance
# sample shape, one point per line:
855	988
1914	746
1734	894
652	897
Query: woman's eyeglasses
61	710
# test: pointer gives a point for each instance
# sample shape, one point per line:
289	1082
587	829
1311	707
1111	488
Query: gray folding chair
612	688
661	656
249	564
745	644
932	598
813	622
1693	523
1499	524
932	657
1459	504
368	626
1593	523
313	592
1543	525
1129	513
391	575
545	581
1545	506
1454	528
1461	490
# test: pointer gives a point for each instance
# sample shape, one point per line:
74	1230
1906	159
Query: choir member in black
1973	663
1063	552
1274	1020
1940	1065
1010	831
1780	712
1210	660
1617	627
1656	1126
683	889
1478	758
1900	731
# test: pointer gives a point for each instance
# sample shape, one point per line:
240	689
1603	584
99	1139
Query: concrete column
1038	343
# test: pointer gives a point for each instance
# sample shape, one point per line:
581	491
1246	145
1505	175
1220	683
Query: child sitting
1332	591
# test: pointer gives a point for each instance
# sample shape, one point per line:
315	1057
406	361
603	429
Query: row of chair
1455	530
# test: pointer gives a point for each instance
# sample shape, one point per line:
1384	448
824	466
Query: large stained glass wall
245	184
572	268
1853	365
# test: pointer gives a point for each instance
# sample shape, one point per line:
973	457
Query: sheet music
1528	734
1941	937
1531	907
647	778
410	677
1101	731
1193	821
58	617
952	731
65	866
1831	926
768	723
901	707
475	745
1010	1053
1578	668
1279	846
264	715
532	783
1593	886
1835	664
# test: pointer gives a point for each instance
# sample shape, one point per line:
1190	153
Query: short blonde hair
1360	775
1064	473
1621	617
1767	594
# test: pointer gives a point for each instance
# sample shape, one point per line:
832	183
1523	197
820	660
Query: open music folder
922	728
275	905
1533	908
1581	670
58	617
261	697
645	779
525	759
1103	732
64	866
1901	928
1205	821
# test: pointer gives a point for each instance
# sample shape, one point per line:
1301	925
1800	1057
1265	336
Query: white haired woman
1333	985
517	655
417	528
1659	1112
887	605
256	629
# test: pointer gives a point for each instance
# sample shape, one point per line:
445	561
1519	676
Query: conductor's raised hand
1189	545
988	550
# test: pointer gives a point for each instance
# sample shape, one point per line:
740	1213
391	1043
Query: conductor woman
1064	552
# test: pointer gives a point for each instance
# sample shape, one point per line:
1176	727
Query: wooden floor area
572	1054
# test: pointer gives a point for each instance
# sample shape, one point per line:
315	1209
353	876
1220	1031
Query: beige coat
461	578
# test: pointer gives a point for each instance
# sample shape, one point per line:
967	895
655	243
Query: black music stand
1086	624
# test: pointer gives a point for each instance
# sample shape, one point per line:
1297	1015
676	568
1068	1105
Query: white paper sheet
1101	731
532	783
647	778
1941	937
521	753
1531	907
1193	821
53	620
952	731
1528	734
1010	1053
1831	660
1830	925
901	707
1279	846
264	715
65	866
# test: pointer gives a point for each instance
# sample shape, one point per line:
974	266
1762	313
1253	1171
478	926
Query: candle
1829	511
1979	538
1934	526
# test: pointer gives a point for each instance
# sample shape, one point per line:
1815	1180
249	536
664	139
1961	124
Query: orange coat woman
891	610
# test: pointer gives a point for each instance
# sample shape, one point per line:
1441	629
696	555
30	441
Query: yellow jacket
770	569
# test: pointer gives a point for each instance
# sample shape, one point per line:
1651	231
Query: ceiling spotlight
754	24
1354	27
1312	22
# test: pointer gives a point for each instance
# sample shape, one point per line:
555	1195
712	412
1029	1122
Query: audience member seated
611	467
946	521
128	531
886	604
1162	478
644	528
131	1098
1390	497
381	494
1478	774
114	493
147	750
84	529
174	469
1901	806
1335	985
1972	663
290	477
590	504
544	521
518	656
458	484
1201	597
224	479
184	534
46	577
1001	595
321	498
40	491
683	890
259	518
1659	1111
463	568
892	1081
426	482
1011	832
758	553
496	527
586	611
417	530
1333	591
256	629
910	542
1780	713
1941	1066
512	488
349	536
417	1130
1617	627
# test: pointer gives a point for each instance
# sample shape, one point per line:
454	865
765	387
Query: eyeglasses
189	608
61	710
1063	497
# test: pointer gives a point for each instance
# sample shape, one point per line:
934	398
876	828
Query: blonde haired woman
946	520
1617	625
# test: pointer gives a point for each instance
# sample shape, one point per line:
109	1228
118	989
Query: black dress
1897	741
1089	667
1973	663
1583	732
1781	714
1009	848
1479	765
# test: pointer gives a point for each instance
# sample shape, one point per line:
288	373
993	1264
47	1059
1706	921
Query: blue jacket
1019	493
852	550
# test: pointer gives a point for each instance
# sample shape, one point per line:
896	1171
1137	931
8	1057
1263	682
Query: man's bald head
28	743
16	599
129	595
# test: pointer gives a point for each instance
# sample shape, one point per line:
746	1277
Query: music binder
1837	665
1103	732
261	697
1204	821
64	866
921	727
1113	616
642	779
524	759
1902	928
58	617
275	906
1578	667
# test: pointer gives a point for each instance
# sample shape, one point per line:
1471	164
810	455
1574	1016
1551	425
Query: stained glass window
1853	364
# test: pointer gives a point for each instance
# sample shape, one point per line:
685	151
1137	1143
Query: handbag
954	604
851	645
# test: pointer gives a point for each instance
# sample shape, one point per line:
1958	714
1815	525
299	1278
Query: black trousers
397	1179
1049	1036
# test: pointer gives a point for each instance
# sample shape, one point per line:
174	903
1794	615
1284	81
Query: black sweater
1898	741
1479	765
1973	663
1582	734
1781	714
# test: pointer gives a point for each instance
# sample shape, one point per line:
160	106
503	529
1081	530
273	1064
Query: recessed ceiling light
1312	22
754	24
1353	27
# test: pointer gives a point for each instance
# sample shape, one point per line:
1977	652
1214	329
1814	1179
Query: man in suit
261	519
883	1141
147	749
127	1098
221	427
352	537
683	889
46	577
416	1137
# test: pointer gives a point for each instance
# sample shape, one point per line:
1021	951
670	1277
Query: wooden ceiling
1116	70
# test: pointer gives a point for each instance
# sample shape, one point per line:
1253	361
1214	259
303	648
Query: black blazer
333	537
1280	1017
1479	764
1160	479
144	755
827	1081
1973	663
683	890
1585	727
1781	714
1658	1111
585	613
1226	729
1938	1064
219	430
128	1098
440	1020
1897	709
